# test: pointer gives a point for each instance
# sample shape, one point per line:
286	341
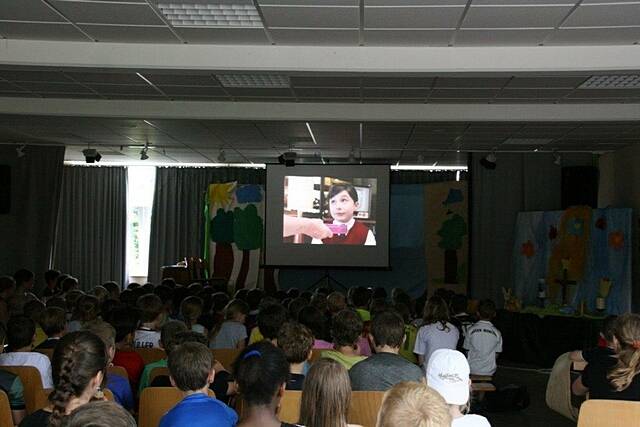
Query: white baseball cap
448	374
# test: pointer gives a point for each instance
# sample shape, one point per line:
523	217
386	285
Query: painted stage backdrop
234	233
583	252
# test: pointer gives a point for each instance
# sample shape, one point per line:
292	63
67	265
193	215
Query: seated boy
21	332
346	328
124	321
151	317
386	367
596	354
10	383
296	340
191	370
167	339
118	385
483	341
54	324
270	319
460	319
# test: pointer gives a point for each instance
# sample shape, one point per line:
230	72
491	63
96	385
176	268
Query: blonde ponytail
628	366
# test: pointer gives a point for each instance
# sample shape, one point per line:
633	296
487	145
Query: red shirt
132	363
357	235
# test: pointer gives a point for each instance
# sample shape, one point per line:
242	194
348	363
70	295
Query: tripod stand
328	281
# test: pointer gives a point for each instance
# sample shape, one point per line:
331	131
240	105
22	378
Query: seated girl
343	203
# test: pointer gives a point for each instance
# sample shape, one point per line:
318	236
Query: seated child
615	377
87	310
151	318
437	332
343	203
100	413
410	333
232	332
460	319
270	319
191	369
596	354
413	404
191	310
34	309
483	341
315	320
21	332
386	367
124	320
261	372
448	374
54	325
346	328
296	341
118	385
11	384
167	342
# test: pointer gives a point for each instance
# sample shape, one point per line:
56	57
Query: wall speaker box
5	189
580	186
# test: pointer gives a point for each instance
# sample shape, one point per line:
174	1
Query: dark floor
537	414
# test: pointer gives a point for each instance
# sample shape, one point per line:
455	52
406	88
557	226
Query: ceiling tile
108	13
39	31
412	17
182	79
27	10
395	93
353	3
594	36
389	82
515	17
604	15
43	87
33	76
216	91
241	36
546	82
130	34
516	37
105	77
325	81
111	89
256	91
407	37
471	82
534	93
605	93
327	92
315	17
397	3
306	36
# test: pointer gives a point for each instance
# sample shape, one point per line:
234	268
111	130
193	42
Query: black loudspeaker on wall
580	186
5	189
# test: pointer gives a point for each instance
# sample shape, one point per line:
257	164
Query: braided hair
76	360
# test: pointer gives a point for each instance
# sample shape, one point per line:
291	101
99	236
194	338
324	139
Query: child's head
53	321
107	334
236	310
78	365
387	329
413	404
125	322
261	371
151	308
219	301
326	395
72	297
191	309
296	341
88	308
336	301
99	413
459	304
191	366
7	286
360	297
313	319
346	328
270	319
436	310
50	277
486	309
343	202
24	278
33	309
20	332
101	293
69	284
114	290
168	334
254	296
609	328
627	334
448	373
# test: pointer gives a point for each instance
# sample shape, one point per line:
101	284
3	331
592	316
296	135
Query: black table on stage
534	340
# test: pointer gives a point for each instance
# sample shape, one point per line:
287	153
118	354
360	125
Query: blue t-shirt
121	390
200	410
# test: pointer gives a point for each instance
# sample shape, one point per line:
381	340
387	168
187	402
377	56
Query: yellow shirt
255	336
344	360
40	337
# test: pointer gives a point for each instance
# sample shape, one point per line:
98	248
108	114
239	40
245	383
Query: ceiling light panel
623	81
254	80
211	15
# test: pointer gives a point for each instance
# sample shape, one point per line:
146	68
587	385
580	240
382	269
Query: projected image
329	210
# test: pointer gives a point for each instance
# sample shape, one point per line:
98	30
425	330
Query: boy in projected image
343	203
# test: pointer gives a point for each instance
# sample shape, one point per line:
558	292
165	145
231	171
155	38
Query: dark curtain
91	236
177	221
28	229
520	182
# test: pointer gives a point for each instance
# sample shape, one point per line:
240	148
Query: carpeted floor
537	414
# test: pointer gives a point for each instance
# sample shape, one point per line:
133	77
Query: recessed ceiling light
618	81
211	15
527	141
254	80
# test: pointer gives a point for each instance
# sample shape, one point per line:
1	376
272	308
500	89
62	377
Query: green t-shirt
365	315
144	378
346	361
406	350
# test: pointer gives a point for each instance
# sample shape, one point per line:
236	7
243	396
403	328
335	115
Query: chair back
118	370
226	356
289	411
155	402
609	413
558	394
32	383
158	372
5	410
364	407
150	355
